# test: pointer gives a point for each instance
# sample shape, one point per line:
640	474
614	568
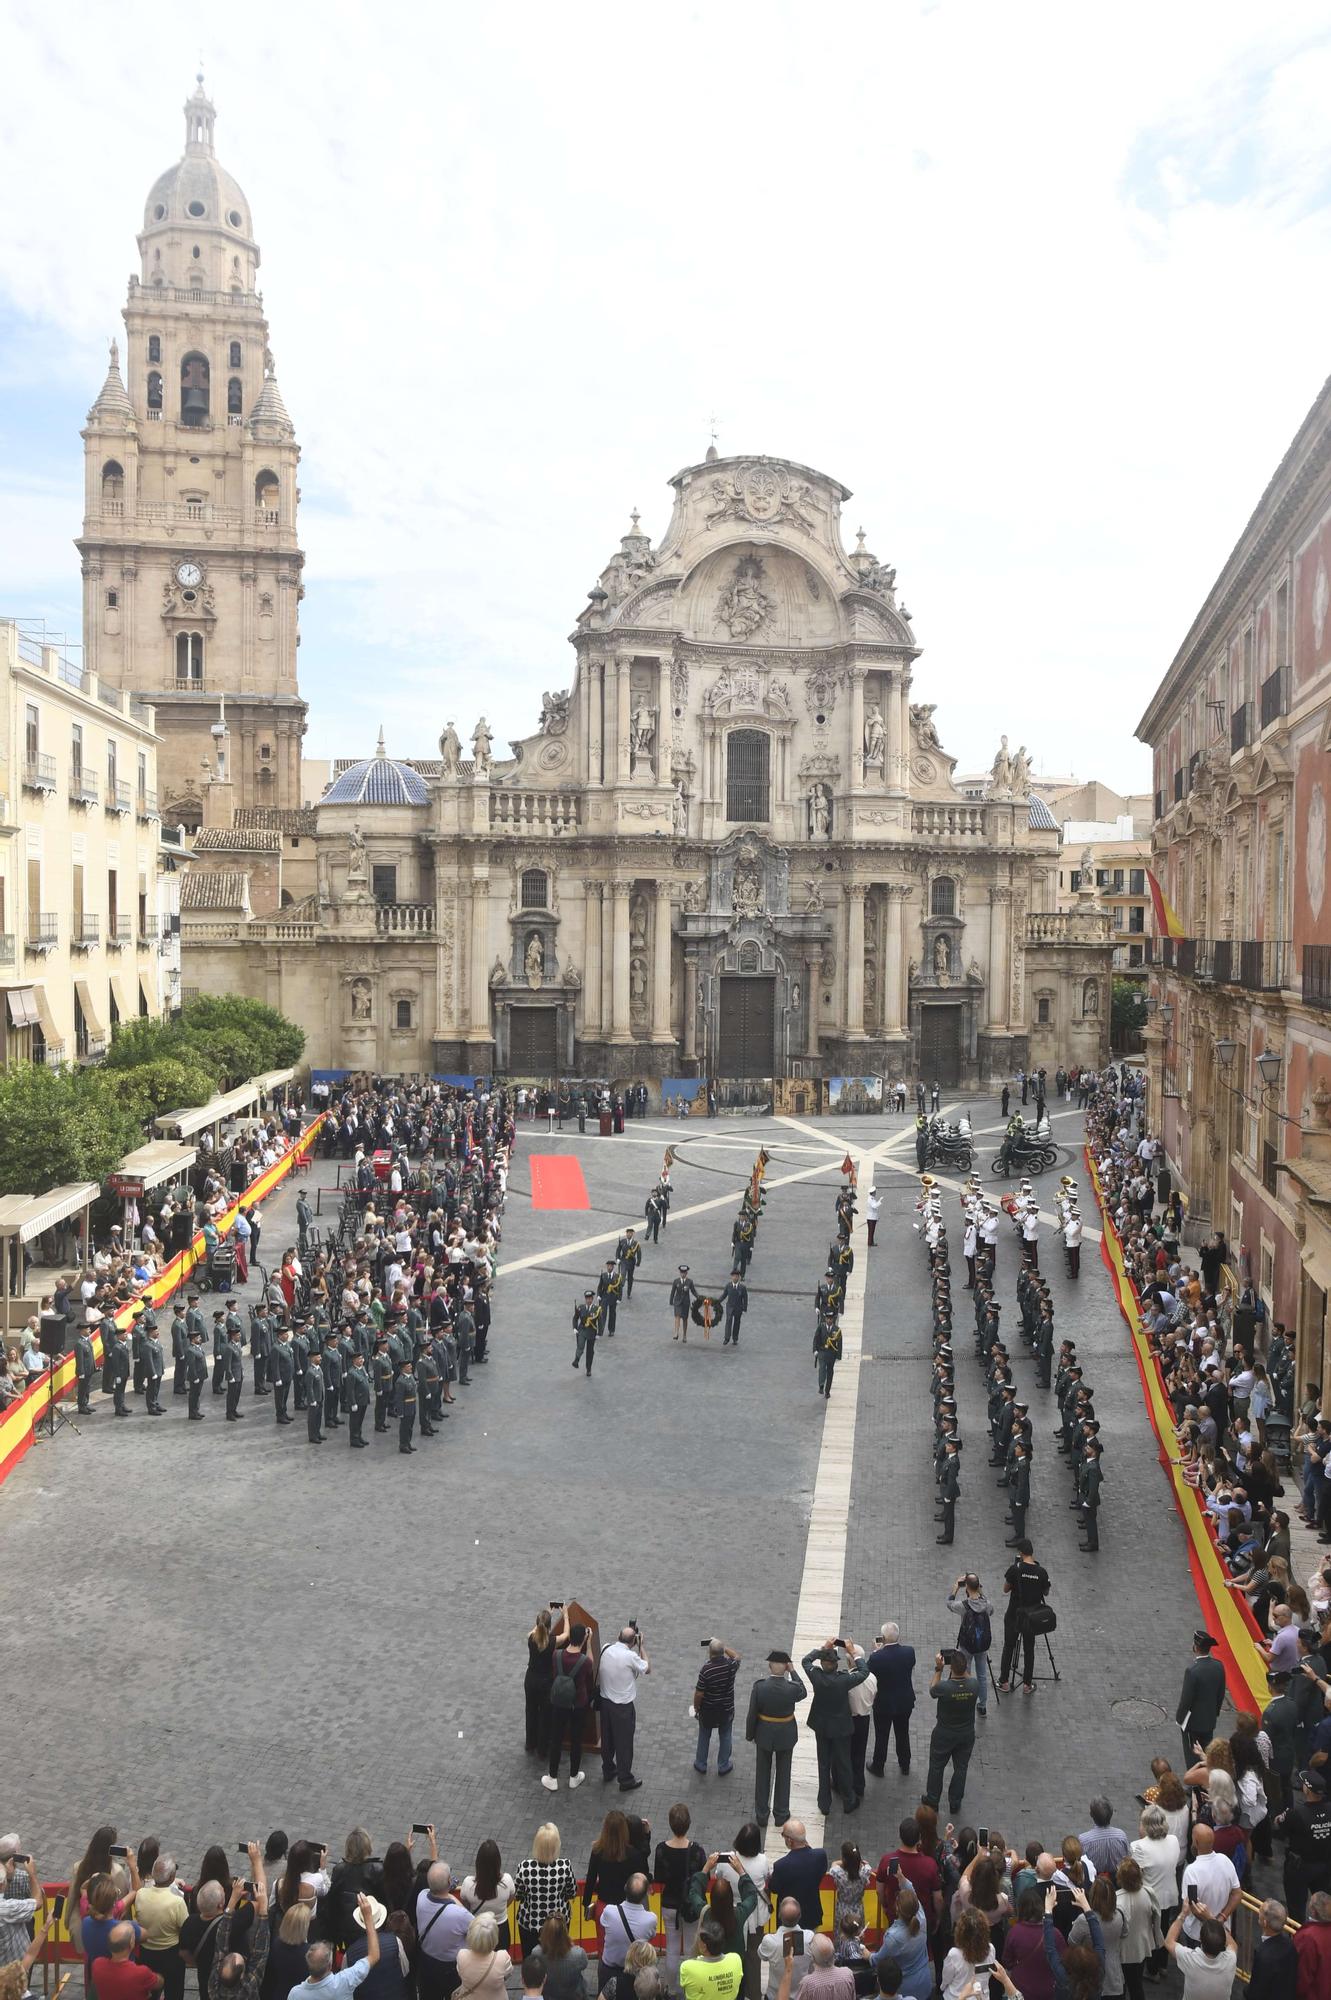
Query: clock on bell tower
191	564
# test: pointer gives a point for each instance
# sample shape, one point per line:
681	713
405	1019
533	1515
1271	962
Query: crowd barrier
1225	1613
583	1930
21	1419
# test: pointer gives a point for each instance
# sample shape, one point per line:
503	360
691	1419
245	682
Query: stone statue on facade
1000	773
820	812
642	733
746	893
554	713
680	809
534	960
450	751
942	960
875	738
1021	774
695	899
813	897
360	1000
921	714
744	605
481	739
356	865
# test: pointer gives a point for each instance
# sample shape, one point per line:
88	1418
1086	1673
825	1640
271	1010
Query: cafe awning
23	1009
160	1160
272	1079
216	1111
27	1215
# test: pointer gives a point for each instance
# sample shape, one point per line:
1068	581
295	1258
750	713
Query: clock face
189	573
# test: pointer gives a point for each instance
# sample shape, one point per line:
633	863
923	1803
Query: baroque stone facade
733	846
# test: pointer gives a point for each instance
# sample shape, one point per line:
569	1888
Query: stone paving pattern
215	1630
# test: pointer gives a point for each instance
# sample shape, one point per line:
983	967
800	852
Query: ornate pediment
748	687
1272	768
764	494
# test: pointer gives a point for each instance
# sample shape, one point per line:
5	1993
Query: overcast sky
1047	287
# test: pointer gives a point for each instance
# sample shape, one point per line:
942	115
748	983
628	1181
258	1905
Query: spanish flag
1167	920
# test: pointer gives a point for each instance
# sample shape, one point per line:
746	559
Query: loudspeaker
53	1335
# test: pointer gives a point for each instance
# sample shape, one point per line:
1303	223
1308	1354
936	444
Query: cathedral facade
732	847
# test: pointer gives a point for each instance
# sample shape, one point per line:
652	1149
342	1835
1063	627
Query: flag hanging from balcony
1167	922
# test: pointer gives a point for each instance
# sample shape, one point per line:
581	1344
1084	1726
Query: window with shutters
748	775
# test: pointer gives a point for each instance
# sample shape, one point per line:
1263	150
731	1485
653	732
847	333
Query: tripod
1053	1674
53	1420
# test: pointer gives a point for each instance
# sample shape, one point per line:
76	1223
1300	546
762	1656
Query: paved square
215	1630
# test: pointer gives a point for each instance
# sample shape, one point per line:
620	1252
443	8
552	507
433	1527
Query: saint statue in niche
942	959
360	1000
534	960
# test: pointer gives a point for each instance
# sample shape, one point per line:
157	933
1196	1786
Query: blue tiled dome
1040	819
378	781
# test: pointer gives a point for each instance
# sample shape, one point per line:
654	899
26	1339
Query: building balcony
1275	696
39	773
43	931
55	1054
119	933
948	823
1240	728
394	919
1090	926
1317	975
145	805
85	934
6	947
1264	964
91	1048
83	787
533	812
148	929
119	798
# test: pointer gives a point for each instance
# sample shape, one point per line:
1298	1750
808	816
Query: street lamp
1166	1014
1269	1067
1225	1052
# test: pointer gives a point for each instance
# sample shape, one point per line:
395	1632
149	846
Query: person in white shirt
622	1664
1208	1967
1209	1880
873	1207
1030	1230
771	1949
623	1924
861	1712
1072	1242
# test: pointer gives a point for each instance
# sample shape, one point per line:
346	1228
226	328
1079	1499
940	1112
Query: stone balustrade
1067	926
393	919
948	822
533	812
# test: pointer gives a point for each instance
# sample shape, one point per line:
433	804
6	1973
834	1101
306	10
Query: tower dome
197	201
378	781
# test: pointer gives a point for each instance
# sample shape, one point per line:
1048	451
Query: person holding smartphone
18	1911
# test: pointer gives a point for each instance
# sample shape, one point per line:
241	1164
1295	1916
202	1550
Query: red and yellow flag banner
1168	922
1225	1612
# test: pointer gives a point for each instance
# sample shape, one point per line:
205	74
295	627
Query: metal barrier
1247	1933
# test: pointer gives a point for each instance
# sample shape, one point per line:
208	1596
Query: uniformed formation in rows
1011	1431
830	1298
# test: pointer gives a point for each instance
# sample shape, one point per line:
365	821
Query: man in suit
235	1376
196	1374
281	1369
893	1667
154	1365
358	1400
85	1369
735	1299
831	1721
772	1729
1203	1695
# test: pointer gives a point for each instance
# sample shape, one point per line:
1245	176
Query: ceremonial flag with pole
1167	920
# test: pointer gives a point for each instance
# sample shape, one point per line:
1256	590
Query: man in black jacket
831	1721
735	1299
893	1668
1275	1963
1203	1695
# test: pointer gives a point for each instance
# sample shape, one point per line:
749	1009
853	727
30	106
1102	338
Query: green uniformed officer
314	1400
1092	1480
219	1351
179	1353
383	1381
85	1369
772	1729
953	1737
427	1383
281	1369
120	1365
586	1326
951	1490
404	1408
1019	1496
154	1365
235	1376
300	1363
358	1400
196	1374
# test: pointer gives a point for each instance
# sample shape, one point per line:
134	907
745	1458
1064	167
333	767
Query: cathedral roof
237	840
113	399
1041	819
215	889
377	781
269	407
198	190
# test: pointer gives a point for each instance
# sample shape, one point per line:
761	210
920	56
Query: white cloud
1047	289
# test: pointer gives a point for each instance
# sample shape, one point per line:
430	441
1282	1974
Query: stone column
620	1031
661	953
813	977
855	960
894	918
1000	898
691	1008
892	761
480	961
623	670
595	683
857	729
591	958
665	723
902	695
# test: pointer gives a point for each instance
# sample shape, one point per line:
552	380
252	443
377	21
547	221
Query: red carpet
557	1182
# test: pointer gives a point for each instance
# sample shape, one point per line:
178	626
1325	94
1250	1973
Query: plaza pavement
217	1630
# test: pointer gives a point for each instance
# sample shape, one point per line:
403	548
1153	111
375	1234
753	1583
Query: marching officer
742	1239
120	1365
235	1375
404	1408
951	1490
196	1374
281	1369
358	1400
607	1291
827	1352
654	1211
85	1368
261	1345
154	1365
586	1325
179	1353
383	1381
772	1729
735	1299
628	1250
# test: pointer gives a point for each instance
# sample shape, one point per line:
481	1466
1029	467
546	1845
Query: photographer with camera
714	1705
622	1665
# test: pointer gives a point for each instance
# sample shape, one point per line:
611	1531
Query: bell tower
191	563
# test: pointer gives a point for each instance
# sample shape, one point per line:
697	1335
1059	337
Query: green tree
277	1042
168	1083
58	1126
1129	1004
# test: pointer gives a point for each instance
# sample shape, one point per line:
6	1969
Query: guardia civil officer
358	1400
773	1731
607	1291
235	1376
300	1364
1019	1495
628	1250
196	1374
281	1369
1092	1480
586	1326
219	1351
261	1345
404	1408
427	1381
950	1490
330	1363
735	1299
383	1381
179	1352
120	1364
85	1368
314	1400
154	1365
